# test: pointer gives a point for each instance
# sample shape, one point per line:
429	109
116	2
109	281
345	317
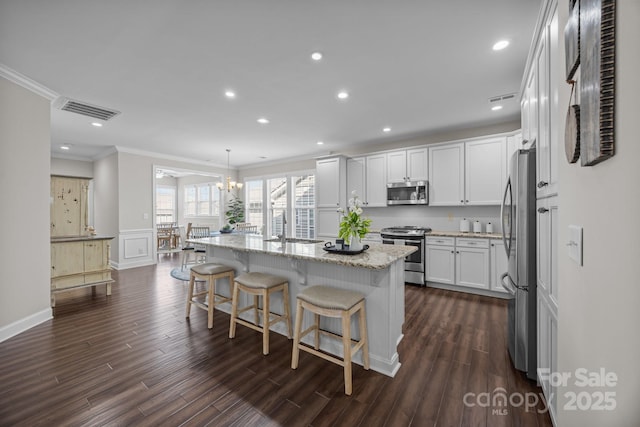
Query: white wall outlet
574	246
145	216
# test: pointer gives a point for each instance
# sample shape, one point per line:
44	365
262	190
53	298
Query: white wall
68	167
599	302
106	204
25	258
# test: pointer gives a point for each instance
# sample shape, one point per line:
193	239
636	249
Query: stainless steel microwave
408	193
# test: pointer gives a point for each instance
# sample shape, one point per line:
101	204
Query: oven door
414	261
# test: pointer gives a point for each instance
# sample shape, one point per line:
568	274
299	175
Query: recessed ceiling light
65	147
496	108
316	56
230	94
387	129
343	95
500	45
96	124
263	121
319	142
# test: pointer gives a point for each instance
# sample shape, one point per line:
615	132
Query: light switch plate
575	243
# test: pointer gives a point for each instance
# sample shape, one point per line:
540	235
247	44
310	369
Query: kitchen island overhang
378	273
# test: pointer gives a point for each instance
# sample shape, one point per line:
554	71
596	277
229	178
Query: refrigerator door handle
506	285
507	244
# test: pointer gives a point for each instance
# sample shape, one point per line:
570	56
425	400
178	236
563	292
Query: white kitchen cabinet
356	177
328	223
547	247
446	174
547	330
407	165
376	180
485	171
472	263
331	182
440	260
499	264
547	73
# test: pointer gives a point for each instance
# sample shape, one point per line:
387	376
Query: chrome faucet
283	236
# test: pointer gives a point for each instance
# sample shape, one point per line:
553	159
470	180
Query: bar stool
260	285
338	303
209	272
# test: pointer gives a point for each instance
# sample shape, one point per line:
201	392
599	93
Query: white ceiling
417	66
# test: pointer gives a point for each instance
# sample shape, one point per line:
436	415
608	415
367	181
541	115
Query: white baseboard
22	325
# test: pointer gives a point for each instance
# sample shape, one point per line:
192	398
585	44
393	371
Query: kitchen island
378	273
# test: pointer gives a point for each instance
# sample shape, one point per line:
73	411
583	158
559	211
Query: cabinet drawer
440	241
472	243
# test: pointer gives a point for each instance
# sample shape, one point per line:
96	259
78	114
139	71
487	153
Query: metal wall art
597	61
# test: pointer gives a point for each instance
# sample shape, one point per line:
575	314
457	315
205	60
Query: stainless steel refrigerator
518	215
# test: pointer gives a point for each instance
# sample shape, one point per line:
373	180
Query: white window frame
175	202
215	200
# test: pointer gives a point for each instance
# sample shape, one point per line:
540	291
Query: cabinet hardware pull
543	210
525	141
542	184
461	201
466	201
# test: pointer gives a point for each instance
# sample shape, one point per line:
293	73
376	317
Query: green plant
235	213
353	224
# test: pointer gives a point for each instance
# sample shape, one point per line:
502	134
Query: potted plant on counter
353	226
235	213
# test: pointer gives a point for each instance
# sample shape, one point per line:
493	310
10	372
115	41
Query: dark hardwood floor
133	359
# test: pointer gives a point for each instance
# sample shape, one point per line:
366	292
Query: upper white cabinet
468	173
376	182
547	73
407	165
486	169
356	177
331	182
446	174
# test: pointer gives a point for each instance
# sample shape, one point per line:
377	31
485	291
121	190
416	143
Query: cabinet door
96	257
514	143
67	258
67	210
376	185
542	143
417	164
472	267
328	222
446	175
485	170
499	264
440	262
330	178
547	234
397	166
356	178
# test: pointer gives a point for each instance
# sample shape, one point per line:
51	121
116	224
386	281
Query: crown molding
144	153
27	83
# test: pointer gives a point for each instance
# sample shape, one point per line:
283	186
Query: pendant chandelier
230	184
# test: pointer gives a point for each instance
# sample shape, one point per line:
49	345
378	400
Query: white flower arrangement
353	224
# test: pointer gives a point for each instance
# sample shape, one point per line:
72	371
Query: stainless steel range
414	264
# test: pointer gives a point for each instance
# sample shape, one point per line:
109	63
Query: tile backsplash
441	218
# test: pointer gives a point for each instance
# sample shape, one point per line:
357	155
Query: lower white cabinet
547	350
499	264
461	262
472	263
440	260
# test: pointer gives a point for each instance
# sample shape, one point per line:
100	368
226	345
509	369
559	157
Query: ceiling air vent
88	110
499	98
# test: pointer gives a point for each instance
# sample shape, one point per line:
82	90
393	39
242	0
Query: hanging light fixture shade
230	184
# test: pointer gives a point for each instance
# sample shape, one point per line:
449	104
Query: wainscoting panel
136	248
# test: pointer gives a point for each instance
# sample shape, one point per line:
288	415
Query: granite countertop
378	256
79	238
461	234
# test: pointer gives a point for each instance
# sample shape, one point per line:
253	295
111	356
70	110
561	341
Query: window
267	199
304	204
165	204
253	196
201	200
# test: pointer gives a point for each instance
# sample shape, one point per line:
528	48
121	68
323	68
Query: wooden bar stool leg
346	343
363	336
286	311
295	355
266	322
192	280
234	310
212	301
316	323
256	313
